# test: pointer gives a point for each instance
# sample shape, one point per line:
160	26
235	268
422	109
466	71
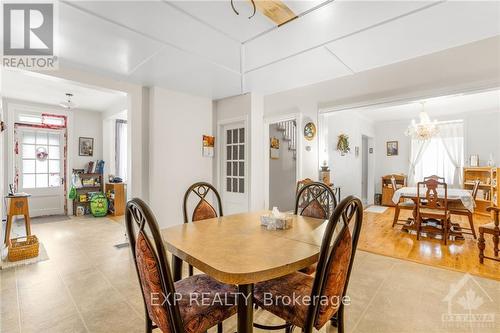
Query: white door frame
15	107
298	162
219	154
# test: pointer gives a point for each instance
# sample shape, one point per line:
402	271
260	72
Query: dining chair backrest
428	190
315	200
152	268
475	188
336	256
203	210
435	177
302	183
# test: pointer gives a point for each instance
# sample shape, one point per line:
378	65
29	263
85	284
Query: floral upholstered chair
315	200
168	305
328	287
203	209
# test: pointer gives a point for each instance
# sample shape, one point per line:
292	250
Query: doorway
40	162
234	168
282	164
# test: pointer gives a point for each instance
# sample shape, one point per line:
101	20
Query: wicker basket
21	250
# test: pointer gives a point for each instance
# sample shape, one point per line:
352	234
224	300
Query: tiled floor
90	286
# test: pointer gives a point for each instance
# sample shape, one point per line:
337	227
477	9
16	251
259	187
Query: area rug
376	209
6	264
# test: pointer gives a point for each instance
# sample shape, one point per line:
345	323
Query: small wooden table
236	249
17	205
458	195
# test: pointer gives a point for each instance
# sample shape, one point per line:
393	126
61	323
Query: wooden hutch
487	195
388	191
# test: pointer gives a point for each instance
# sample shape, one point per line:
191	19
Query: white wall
436	74
384	165
86	124
282	175
346	171
482	136
177	123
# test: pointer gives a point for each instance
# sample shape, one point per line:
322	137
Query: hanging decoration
343	144
41	154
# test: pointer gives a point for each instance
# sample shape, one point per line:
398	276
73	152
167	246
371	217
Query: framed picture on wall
208	146
392	148
274	148
86	146
474	160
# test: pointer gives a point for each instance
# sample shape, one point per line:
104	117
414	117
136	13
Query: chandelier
425	129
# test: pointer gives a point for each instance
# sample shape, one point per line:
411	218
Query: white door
40	164
234	169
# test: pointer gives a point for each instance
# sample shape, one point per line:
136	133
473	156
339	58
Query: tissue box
274	223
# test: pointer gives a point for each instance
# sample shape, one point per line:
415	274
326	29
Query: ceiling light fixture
237	13
68	104
425	129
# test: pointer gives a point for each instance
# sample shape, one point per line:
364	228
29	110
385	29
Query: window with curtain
443	155
121	149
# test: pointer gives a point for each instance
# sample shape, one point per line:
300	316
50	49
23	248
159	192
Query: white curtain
417	149
121	149
452	136
442	155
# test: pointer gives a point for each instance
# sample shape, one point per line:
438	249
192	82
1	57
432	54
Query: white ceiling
49	90
438	108
204	48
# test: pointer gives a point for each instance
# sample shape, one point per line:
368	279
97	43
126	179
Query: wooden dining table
462	196
236	249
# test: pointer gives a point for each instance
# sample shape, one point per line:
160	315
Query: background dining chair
402	204
435	177
493	229
203	209
434	207
457	208
165	311
329	283
302	183
315	200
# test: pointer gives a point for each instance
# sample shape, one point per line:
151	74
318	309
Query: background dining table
236	249
454	194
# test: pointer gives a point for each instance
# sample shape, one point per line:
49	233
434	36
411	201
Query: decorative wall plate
309	131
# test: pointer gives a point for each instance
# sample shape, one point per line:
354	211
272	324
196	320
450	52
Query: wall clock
309	131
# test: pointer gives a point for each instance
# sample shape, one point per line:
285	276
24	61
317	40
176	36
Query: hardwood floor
377	236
